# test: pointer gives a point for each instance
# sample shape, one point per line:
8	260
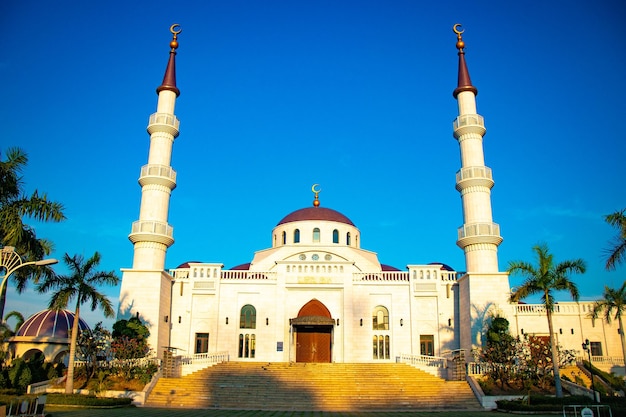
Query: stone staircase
573	371
313	387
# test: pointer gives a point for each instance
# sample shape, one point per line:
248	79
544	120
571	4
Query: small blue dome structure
50	323
47	333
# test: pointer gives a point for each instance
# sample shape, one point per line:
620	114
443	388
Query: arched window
348	239
284	238
248	317
296	236
380	318
316	234
335	236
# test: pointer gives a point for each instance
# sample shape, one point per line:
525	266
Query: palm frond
616	252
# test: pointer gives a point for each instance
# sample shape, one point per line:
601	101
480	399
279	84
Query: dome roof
242	267
186	264
50	323
315	213
444	267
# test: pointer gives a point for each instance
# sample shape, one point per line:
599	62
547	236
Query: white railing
423	360
203	358
474	172
398	276
115	363
565	308
467	120
451	275
155	170
602	360
478	368
152	226
187	364
249	275
479	229
164	119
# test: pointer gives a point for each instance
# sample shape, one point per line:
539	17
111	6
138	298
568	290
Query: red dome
315	213
50	323
444	267
186	264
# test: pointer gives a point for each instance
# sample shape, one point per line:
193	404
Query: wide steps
574	371
324	387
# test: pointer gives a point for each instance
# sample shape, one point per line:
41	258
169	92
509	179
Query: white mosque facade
314	295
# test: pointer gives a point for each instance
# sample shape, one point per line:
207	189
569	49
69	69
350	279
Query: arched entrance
313	329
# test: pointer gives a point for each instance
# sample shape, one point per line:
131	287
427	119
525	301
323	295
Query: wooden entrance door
313	344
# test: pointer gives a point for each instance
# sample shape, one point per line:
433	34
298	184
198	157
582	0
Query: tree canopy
15	207
544	279
616	252
82	287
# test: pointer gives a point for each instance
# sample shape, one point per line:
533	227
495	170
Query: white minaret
483	290
151	234
146	287
479	236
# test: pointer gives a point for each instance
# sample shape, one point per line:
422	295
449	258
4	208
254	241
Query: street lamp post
10	261
587	347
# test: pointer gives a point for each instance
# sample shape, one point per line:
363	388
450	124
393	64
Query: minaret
483	291
479	236
151	234
146	287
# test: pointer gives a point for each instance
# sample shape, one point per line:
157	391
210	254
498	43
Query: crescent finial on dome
316	191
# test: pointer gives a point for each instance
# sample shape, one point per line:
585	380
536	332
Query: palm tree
80	285
19	317
617	252
15	205
613	303
544	279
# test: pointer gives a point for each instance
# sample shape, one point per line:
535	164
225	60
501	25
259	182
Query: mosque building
315	295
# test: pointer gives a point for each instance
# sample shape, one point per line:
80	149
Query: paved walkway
169	412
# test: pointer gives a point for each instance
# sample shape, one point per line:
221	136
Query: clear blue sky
353	95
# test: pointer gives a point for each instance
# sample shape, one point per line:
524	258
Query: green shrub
25	378
87	400
616	382
550	403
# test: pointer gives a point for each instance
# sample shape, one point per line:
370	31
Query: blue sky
353	95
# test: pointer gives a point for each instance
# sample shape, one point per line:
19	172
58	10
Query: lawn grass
58	411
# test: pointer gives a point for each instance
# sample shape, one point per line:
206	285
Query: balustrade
164	119
479	229
381	276
468	120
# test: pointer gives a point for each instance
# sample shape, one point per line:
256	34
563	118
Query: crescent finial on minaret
169	79
465	83
175	29
316	202
459	44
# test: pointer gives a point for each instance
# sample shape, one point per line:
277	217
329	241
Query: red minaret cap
169	79
464	83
